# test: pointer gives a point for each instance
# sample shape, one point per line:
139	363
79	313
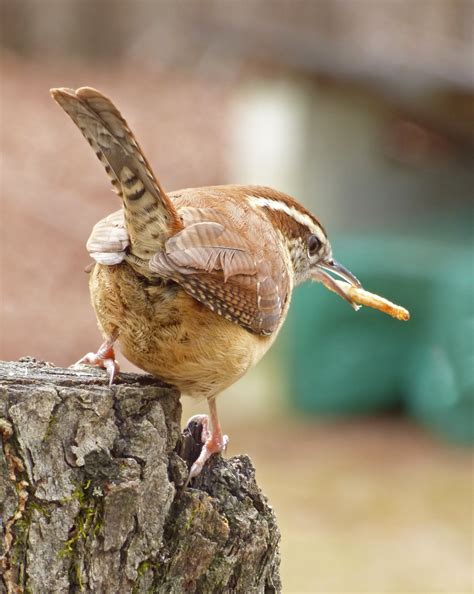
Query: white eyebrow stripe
291	211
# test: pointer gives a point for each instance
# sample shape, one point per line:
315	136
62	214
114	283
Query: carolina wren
193	285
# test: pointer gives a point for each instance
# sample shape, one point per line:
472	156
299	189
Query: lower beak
322	275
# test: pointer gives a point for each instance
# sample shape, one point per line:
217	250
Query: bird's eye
314	245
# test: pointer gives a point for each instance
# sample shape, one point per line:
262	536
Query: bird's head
307	241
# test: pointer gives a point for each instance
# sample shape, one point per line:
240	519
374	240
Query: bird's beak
322	275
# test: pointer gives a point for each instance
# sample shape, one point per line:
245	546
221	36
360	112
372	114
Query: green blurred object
440	385
344	362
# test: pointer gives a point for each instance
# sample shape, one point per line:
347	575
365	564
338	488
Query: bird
193	285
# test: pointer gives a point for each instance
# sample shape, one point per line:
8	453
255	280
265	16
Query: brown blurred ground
365	506
53	190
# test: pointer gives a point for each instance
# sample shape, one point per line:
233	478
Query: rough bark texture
92	497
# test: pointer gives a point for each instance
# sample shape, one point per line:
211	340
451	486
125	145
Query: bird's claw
105	359
213	443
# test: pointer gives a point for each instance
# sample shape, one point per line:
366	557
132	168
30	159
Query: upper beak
322	275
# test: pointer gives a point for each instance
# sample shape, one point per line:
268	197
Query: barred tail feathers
150	216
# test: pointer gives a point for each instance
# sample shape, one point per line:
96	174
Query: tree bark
92	495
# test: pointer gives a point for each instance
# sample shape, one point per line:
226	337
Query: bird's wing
109	239
220	268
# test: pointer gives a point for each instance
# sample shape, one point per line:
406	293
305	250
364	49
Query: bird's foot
104	358
214	442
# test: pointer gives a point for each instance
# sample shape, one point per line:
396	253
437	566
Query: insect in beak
321	274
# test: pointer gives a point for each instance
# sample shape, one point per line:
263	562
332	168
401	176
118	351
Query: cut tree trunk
92	495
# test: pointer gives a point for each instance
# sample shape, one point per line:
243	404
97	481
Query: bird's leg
104	358
212	438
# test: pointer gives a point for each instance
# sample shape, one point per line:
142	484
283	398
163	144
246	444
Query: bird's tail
150	216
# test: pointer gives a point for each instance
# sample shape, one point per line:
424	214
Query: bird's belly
167	333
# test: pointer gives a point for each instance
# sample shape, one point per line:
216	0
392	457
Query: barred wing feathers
219	268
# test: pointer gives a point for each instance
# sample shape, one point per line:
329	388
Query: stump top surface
29	370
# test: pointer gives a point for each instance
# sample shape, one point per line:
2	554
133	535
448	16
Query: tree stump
92	495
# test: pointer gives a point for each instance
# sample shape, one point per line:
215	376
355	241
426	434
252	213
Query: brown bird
193	285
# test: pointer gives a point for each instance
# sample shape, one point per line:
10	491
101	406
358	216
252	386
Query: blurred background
359	425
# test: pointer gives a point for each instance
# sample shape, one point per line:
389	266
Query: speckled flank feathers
167	333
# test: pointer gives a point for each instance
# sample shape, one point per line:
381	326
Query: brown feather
209	246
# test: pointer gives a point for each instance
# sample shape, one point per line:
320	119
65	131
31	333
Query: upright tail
150	216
